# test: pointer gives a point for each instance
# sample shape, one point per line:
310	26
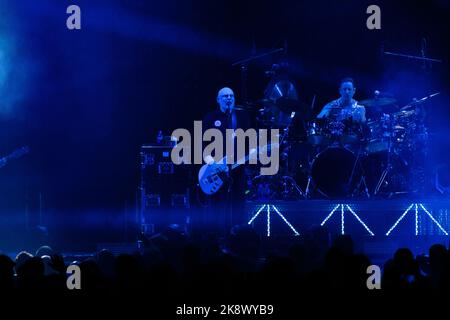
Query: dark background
85	100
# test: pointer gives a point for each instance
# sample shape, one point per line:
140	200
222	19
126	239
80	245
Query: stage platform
379	217
378	227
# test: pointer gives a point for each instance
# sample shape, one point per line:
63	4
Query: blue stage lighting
268	209
329	215
416	215
433	219
285	221
343	207
399	219
359	219
257	214
416	220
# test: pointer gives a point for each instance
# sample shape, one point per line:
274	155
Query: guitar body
211	177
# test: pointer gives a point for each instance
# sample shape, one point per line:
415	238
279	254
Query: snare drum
317	133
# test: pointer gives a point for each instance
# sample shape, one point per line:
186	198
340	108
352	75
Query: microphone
230	108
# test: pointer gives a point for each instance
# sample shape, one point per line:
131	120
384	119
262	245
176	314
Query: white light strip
329	216
360	221
256	215
342	219
399	219
417	221
434	220
268	220
285	221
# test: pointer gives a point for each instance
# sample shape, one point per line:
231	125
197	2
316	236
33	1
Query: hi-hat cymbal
404	113
378	102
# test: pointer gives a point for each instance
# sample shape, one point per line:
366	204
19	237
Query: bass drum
331	171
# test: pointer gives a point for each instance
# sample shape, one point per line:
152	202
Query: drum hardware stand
382	179
289	178
384	173
308	184
362	180
295	185
388	168
310	181
307	193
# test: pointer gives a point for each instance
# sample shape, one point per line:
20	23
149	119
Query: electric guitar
212	176
14	155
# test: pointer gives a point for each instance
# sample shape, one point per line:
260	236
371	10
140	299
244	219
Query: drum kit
331	158
335	158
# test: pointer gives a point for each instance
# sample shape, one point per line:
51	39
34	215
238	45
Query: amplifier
165	187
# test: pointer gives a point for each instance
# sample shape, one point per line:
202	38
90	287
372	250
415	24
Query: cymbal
404	113
418	101
249	108
281	89
286	105
265	102
407	107
378	102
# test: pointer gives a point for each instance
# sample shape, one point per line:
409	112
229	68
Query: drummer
345	107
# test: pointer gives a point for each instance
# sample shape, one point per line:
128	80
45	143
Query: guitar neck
240	162
245	159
